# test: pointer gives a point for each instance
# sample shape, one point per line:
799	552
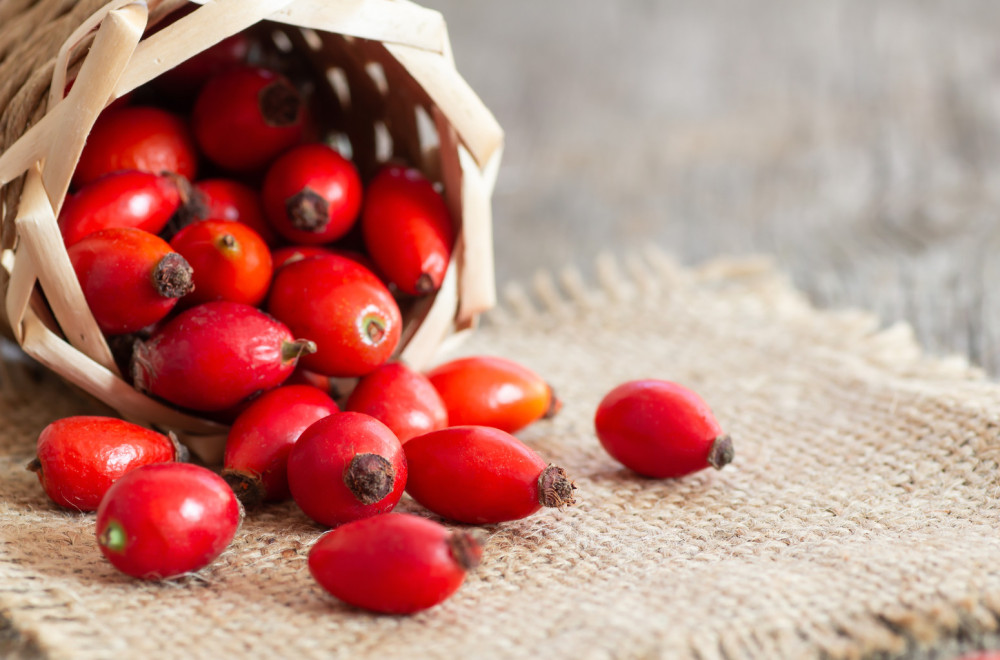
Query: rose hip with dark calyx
401	398
130	278
213	356
137	138
661	429
230	261
393	564
345	467
232	201
479	474
129	198
341	306
243	118
257	448
312	194
493	391
161	521
78	458
407	229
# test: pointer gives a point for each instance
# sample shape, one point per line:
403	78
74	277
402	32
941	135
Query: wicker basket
387	61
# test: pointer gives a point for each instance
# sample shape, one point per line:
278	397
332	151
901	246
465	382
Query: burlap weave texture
859	517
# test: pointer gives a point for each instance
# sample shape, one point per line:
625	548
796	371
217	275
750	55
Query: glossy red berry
213	356
479	474
243	118
312	194
345	467
407	229
393	564
130	278
129	198
78	458
291	253
232	201
260	439
493	391
137	138
661	429
230	262
401	398
161	521
341	306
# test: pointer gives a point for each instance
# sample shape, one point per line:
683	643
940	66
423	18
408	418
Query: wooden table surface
857	143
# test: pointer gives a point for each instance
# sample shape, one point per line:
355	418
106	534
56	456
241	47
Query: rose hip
78	458
401	398
186	79
407	229
130	278
661	429
230	261
232	201
243	118
213	356
262	436
493	391
312	194
128	198
480	474
394	564
345	467
161	521
137	138
341	306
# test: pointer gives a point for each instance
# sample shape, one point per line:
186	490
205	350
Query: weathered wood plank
857	142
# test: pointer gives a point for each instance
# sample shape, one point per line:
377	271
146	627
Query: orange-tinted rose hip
493	391
661	429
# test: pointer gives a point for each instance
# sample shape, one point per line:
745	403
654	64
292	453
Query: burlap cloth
859	518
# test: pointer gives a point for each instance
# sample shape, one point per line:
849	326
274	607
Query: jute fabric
859	518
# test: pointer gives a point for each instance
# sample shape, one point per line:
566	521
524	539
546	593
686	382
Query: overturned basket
388	62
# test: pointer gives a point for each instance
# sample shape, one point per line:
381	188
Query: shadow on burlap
859	518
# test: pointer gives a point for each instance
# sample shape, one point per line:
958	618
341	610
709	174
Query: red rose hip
493	391
257	448
341	306
128	198
245	117
213	356
393	564
407	229
479	474
345	467
232	201
137	138
401	398
230	261
661	429
79	458
130	278
312	194
161	521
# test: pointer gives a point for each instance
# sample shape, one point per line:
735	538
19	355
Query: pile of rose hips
242	306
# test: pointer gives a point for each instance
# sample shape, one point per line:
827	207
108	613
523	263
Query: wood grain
858	143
